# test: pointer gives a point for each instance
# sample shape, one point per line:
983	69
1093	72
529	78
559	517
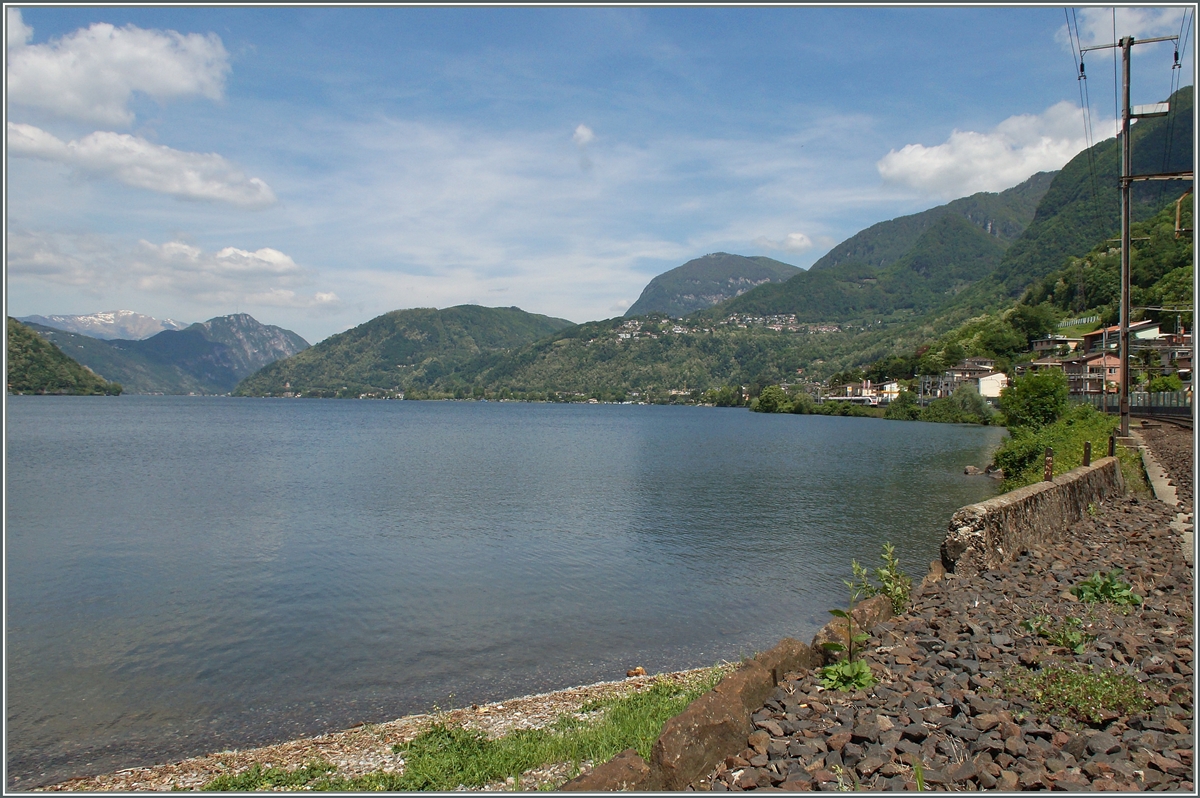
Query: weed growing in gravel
849	673
1106	588
893	583
1067	633
1087	694
444	756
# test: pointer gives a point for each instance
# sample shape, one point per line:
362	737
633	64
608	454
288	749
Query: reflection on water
189	574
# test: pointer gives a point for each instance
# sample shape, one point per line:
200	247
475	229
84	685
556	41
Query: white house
991	384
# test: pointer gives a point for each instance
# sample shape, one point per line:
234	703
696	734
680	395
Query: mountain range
402	349
107	324
209	357
884	290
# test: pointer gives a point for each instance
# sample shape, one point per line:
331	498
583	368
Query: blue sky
317	167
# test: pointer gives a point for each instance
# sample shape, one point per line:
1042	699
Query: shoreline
368	746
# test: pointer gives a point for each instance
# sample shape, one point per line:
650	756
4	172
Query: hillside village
1090	362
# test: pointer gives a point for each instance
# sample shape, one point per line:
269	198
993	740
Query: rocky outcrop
984	535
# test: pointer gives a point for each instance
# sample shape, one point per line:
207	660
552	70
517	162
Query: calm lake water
192	574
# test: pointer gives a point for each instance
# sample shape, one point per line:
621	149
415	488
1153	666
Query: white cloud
18	32
65	260
583	135
142	164
969	161
792	242
176	269
91	74
1096	25
263	277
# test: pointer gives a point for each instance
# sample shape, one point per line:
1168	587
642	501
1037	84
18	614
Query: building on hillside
1048	362
972	368
1056	343
978	372
889	391
1110	337
1093	374
990	385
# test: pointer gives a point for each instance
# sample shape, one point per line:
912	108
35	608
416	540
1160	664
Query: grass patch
443	757
1067	633
1021	455
1087	694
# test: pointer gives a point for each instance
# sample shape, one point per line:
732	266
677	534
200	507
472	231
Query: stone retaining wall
717	723
984	535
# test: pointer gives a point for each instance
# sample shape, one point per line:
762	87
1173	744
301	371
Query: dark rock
626	771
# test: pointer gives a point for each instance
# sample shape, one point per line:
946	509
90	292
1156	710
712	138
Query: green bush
946	411
773	400
904	407
1035	399
1021	455
802	402
1164	384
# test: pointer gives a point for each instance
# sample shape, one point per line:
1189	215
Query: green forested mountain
910	265
1005	215
1082	205
206	358
703	282
1160	273
37	366
404	350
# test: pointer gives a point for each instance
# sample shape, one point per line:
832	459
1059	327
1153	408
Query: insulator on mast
1082	76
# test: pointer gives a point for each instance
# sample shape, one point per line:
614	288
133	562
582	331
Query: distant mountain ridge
1004	215
703	282
209	357
37	366
108	325
401	350
911	264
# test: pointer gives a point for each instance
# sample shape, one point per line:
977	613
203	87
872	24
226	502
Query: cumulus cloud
265	276
792	242
230	275
1096	24
92	73
583	137
143	164
18	32
968	161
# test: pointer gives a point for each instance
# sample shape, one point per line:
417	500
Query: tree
904	407
1035	399
974	406
773	400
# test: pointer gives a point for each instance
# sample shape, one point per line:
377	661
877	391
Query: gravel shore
946	667
368	747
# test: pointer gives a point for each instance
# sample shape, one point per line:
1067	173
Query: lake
190	574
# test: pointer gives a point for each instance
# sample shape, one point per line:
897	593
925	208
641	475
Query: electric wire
1088	132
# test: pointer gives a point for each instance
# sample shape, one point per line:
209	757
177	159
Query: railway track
1184	422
